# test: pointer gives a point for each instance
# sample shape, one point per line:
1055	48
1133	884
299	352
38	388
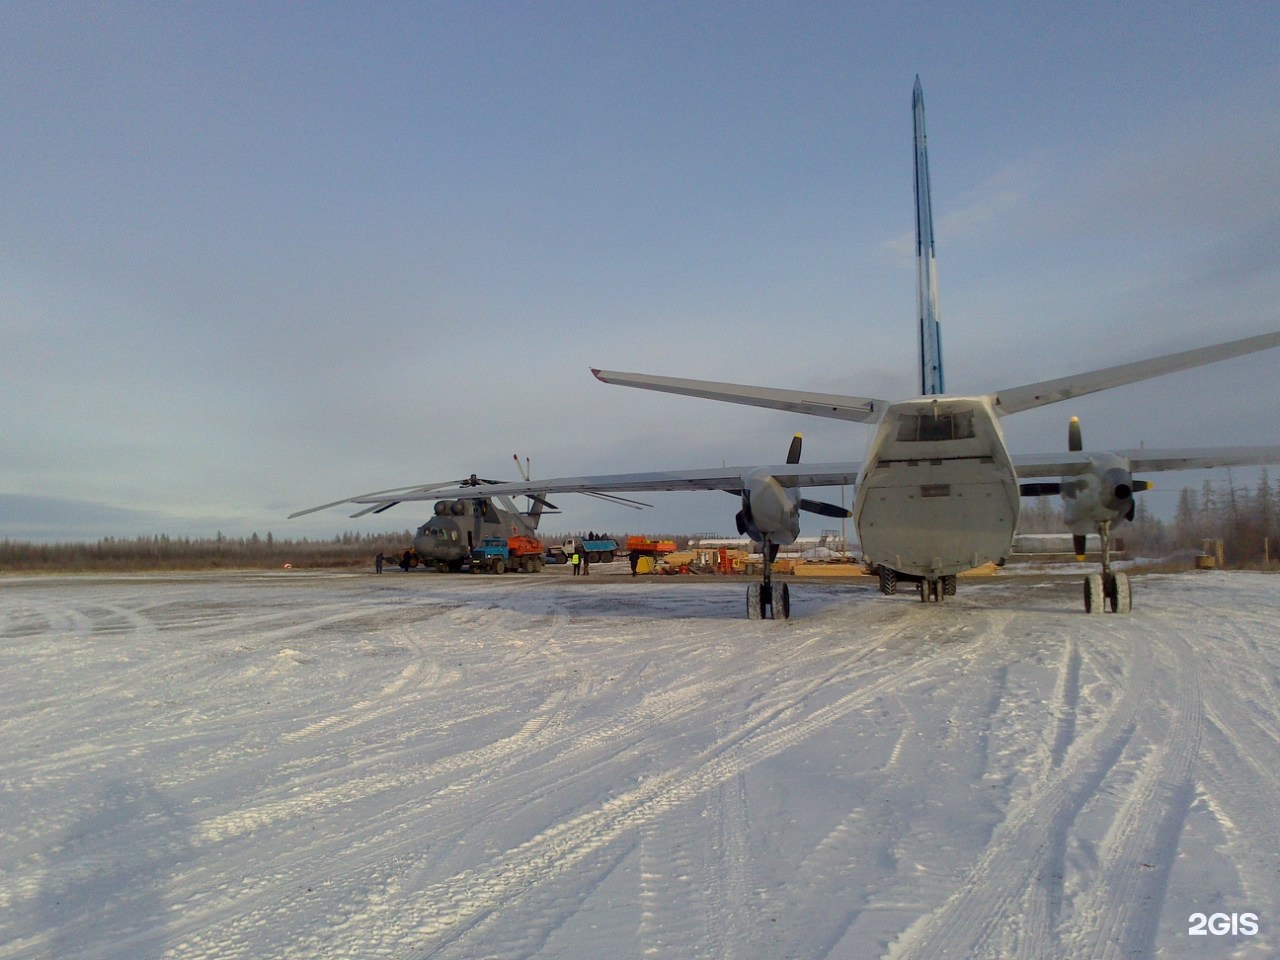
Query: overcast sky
261	256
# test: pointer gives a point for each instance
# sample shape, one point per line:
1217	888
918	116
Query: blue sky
261	256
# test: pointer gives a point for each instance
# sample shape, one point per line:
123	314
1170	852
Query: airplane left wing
787	475
1145	460
834	405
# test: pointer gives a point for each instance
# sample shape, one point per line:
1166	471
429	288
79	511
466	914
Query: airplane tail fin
931	380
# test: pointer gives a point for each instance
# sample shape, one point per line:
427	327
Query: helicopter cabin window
913	427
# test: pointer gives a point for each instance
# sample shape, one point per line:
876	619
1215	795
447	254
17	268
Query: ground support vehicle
652	548
599	550
645	555
498	555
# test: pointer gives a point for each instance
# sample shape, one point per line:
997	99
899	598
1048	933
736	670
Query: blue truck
500	554
599	550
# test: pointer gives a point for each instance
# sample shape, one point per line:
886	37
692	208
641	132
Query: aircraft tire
755	602
1094	598
1121	595
782	602
949	586
888	581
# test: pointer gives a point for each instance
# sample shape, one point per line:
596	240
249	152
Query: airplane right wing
1146	460
834	405
1031	395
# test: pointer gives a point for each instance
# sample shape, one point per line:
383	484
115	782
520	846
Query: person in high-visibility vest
576	560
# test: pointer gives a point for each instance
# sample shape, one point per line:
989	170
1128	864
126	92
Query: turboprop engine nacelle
768	509
1104	492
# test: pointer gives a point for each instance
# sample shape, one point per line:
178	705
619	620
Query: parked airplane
939	492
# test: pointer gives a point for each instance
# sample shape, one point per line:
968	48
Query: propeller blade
1078	541
1075	442
793	453
1040	489
1132	511
1139	486
378	508
825	509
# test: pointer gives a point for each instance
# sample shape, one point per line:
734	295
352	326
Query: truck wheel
499	566
606	557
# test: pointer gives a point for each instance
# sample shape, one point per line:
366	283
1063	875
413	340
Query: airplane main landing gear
888	581
764	600
935	590
1108	588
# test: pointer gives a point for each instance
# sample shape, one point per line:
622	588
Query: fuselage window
925	427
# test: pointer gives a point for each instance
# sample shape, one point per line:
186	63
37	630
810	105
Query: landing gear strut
936	590
1109	588
763	596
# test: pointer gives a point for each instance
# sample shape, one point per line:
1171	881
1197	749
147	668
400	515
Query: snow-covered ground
422	765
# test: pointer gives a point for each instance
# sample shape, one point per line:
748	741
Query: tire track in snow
1066	700
1118	914
1002	907
1239	757
823	914
448	909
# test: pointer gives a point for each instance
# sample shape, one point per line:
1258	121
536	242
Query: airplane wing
1031	395
1146	460
714	478
834	405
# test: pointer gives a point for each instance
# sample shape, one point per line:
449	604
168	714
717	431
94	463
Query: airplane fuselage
938	493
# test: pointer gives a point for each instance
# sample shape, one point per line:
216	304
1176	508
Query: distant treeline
198	553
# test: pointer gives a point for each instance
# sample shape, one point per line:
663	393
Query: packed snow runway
411	766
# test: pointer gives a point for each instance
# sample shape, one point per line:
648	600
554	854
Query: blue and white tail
931	381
